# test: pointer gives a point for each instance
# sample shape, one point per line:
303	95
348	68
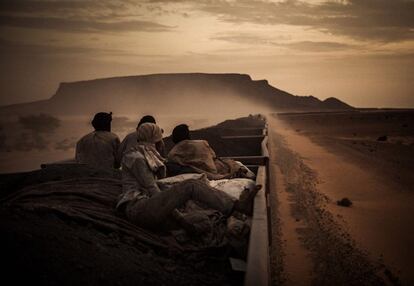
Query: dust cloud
28	140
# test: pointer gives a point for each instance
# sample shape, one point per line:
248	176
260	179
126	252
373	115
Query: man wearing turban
100	147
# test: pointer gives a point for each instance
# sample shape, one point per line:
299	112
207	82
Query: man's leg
209	196
155	210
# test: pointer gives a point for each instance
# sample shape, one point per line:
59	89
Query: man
146	205
189	156
100	147
131	139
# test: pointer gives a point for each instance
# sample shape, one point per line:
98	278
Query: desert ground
320	158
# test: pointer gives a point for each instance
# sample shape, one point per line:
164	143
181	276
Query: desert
365	156
207	142
338	195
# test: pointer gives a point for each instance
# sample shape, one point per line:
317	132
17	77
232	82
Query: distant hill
171	93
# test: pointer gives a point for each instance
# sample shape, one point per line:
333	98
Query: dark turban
180	133
146	119
102	121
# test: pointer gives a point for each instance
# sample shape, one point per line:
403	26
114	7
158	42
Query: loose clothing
194	153
146	205
141	167
98	149
201	158
131	140
153	211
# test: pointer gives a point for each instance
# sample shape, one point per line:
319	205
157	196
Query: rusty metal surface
250	160
258	255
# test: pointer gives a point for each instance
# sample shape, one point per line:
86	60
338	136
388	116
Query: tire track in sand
297	266
316	249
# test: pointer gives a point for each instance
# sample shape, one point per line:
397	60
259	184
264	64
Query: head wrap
146	119
149	133
102	121
180	133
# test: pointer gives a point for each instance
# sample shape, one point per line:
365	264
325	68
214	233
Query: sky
360	51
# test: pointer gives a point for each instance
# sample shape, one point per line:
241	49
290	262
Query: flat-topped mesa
173	93
151	81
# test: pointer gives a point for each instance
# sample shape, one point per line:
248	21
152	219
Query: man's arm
121	148
145	177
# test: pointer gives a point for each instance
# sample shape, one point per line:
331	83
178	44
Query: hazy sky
360	51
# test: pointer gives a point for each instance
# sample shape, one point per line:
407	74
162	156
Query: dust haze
37	136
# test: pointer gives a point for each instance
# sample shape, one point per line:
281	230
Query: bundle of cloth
233	187
198	157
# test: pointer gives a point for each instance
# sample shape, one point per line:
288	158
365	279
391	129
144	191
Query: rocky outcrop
172	93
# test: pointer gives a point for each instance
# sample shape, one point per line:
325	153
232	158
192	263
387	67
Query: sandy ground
369	243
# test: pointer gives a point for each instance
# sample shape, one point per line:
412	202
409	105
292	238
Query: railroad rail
258	258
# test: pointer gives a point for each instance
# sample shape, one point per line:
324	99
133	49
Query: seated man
100	147
189	156
131	139
146	205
